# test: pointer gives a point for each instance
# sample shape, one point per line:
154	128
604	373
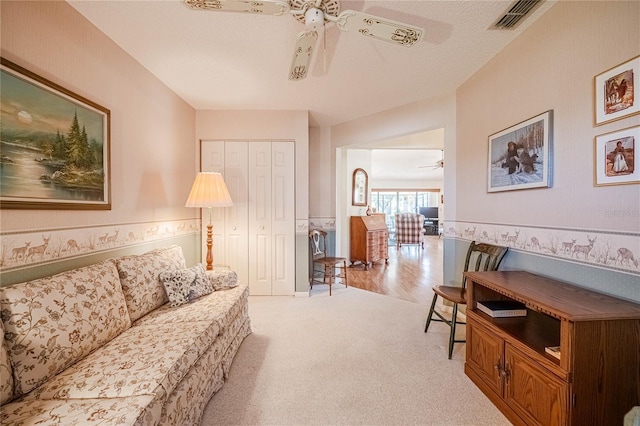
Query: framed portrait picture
520	157
360	188
617	92
616	157
54	152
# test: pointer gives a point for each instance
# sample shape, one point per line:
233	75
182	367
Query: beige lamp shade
209	190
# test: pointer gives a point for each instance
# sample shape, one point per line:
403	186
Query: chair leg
454	321
332	271
433	305
344	271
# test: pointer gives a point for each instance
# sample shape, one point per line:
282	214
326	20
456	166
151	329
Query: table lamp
209	190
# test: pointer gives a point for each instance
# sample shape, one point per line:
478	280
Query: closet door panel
212	160
260	271
235	175
260	266
283	218
255	237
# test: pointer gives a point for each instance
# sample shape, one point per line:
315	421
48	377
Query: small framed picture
617	92
360	187
520	157
616	157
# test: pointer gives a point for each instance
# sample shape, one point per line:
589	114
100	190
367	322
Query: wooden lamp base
209	247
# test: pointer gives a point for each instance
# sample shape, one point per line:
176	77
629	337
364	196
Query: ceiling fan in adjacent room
438	165
315	14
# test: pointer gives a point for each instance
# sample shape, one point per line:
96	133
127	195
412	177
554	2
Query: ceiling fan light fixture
314	19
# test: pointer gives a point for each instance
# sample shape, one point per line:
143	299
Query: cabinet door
534	393
484	355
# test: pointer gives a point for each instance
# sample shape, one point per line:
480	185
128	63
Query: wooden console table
596	381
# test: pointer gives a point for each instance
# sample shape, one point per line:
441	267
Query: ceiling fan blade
305	42
263	7
379	28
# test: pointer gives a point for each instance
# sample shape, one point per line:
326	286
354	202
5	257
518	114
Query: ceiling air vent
515	14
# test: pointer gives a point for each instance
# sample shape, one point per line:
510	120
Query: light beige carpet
355	358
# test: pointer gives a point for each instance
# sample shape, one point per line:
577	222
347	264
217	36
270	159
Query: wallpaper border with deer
613	250
21	249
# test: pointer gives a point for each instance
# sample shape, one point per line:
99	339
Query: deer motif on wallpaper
41	249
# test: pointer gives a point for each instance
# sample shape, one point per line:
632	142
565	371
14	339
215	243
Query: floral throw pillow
184	285
222	278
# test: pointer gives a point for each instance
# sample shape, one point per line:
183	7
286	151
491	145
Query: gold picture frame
55	145
360	188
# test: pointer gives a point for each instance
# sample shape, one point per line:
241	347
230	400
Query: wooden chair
327	265
480	257
409	229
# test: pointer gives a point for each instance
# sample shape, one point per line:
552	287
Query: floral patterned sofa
106	344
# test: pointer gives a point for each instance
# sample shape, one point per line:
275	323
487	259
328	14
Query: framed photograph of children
520	157
616	157
617	92
54	150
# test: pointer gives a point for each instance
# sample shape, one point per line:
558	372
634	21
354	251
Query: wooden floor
410	274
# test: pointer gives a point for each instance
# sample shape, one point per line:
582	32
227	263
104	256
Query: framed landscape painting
520	157
616	157
617	92
54	150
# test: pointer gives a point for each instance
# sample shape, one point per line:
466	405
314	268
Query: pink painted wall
153	161
152	129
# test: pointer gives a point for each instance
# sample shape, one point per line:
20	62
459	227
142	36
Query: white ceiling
406	165
240	61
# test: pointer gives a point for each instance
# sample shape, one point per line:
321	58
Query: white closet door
260	239
235	176
283	218
212	160
255	237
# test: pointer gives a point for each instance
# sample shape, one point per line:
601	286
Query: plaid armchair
409	229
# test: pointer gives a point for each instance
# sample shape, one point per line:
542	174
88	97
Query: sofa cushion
6	374
221	307
148	360
143	291
184	285
138	410
51	323
222	278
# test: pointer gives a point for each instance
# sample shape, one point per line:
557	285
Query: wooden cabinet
597	378
369	240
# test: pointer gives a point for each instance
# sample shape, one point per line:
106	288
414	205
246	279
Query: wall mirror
360	187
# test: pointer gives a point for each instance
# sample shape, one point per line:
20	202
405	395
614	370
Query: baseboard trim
301	294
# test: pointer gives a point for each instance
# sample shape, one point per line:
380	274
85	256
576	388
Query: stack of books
502	308
554	351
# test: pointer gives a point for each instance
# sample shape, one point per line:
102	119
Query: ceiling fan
315	14
438	165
